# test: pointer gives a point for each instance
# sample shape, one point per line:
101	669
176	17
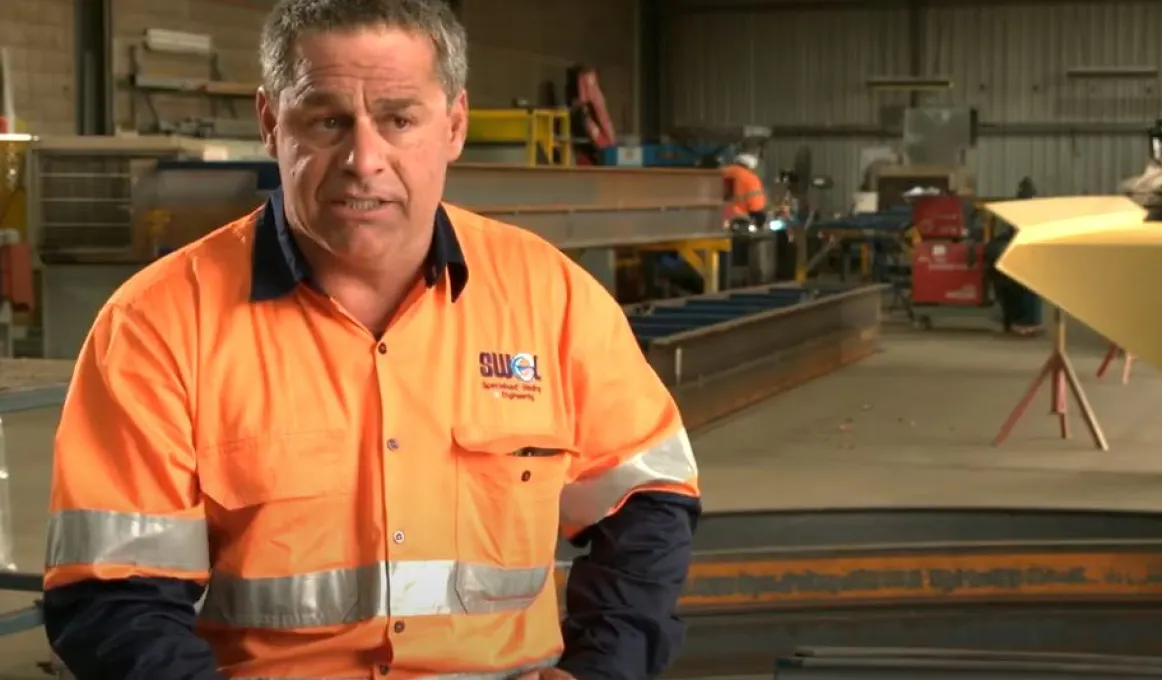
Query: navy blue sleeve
133	629
621	598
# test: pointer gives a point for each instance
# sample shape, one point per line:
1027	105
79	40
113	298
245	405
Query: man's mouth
362	204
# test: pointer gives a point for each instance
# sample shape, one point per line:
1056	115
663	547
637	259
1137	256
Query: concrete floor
911	425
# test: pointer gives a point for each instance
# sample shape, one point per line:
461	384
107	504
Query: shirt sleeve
629	433
128	554
633	499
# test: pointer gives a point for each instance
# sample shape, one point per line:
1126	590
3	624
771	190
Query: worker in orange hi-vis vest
743	190
356	420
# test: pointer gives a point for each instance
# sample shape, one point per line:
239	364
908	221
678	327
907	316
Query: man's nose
367	155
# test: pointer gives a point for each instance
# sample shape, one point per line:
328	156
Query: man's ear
264	106
458	125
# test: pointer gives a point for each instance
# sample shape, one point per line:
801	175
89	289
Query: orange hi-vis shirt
358	505
744	191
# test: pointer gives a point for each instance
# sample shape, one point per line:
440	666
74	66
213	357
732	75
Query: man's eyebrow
394	103
322	99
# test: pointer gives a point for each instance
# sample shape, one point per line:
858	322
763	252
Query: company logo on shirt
511	376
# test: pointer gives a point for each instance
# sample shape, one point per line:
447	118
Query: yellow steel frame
701	254
543	132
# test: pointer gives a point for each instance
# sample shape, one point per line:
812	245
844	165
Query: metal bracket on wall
220	94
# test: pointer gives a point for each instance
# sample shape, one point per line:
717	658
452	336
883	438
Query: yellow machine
13	149
540	136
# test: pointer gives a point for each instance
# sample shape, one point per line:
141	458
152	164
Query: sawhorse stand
1111	354
1063	377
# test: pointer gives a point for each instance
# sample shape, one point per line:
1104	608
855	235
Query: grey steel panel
476	186
592	228
720	369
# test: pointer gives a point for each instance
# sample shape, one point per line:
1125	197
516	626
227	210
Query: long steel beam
576	227
576	207
588	207
479	184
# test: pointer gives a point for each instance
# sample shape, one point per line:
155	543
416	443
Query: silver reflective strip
343	596
102	537
588	500
492	675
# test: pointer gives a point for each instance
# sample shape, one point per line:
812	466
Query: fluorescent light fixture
161	40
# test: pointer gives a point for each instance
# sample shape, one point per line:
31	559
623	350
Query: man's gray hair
433	19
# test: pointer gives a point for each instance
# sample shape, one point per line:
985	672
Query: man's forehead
364	53
344	83
313	95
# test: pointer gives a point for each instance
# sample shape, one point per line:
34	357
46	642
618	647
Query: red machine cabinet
939	217
948	273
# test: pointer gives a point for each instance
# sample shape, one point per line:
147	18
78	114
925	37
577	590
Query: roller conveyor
890	221
721	352
651	323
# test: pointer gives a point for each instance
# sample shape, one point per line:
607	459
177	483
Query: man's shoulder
551	275
479	233
186	273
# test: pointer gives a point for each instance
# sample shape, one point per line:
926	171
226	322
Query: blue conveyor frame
667	318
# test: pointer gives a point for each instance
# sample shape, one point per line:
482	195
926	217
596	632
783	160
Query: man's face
363	136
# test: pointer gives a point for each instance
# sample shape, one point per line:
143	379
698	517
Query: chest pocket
509	493
273	496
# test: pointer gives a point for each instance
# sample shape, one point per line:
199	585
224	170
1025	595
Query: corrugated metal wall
806	68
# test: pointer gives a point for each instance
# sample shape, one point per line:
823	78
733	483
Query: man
359	416
743	190
1020	307
744	212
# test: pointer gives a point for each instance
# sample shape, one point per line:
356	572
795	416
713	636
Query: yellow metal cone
1097	259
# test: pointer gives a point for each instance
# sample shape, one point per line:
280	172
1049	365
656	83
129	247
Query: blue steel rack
666	318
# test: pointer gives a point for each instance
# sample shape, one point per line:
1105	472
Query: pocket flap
478	439
279	467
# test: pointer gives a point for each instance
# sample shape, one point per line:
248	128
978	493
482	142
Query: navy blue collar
279	265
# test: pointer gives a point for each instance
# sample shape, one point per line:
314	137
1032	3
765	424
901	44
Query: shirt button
392	444
399	626
381	348
398	537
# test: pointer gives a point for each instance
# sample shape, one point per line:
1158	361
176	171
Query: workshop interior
852	355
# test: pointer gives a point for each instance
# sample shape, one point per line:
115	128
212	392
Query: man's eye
327	123
401	123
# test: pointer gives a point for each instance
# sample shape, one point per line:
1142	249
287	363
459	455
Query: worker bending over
356	419
746	199
1020	307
